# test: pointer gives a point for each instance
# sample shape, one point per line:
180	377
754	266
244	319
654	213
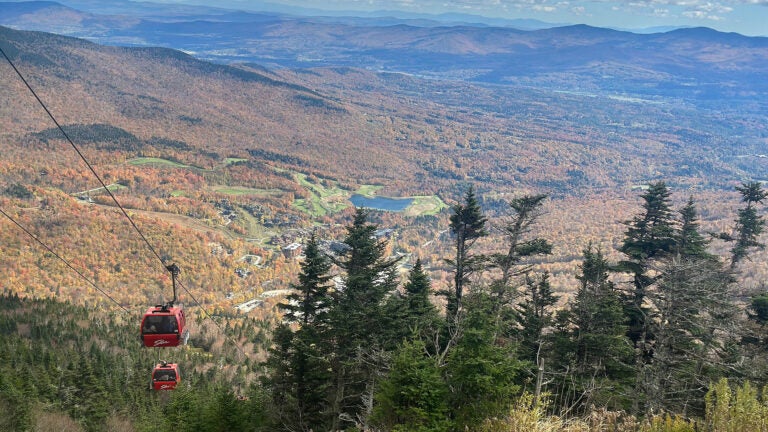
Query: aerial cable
170	268
209	316
35	238
104	185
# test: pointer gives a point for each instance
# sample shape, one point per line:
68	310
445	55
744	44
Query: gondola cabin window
155	324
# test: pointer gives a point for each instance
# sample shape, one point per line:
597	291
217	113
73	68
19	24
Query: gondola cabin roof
163	326
165	376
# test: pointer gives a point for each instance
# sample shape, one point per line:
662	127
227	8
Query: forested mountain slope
401	132
72	368
237	135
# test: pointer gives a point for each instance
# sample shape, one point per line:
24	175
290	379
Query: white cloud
701	15
715	7
544	8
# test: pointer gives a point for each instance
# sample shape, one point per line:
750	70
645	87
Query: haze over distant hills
166	11
695	63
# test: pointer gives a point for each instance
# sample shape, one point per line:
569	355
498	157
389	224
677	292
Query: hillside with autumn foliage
209	159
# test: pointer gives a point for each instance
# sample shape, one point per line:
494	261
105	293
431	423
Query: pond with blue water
381	203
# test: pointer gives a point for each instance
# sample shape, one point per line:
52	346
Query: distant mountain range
692	63
382	17
554	129
698	96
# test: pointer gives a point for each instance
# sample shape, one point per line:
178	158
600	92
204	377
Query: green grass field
426	205
241	190
95	191
156	162
368	190
323	199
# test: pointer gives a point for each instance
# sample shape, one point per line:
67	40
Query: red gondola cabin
165	376
163	326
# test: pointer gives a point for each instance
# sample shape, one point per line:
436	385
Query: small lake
381	203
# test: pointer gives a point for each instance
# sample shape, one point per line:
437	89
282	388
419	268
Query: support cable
103	184
37	239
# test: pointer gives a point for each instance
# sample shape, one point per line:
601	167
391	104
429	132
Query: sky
748	17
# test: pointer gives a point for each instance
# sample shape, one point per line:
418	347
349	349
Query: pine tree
413	395
757	310
600	370
280	378
467	224
299	363
412	314
689	241
358	328
649	237
535	317
749	225
309	304
366	282
525	212
417	291
482	375
679	308
310	365
534	314
694	325
652	233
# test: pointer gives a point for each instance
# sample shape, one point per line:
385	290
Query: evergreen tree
600	369
649	237
417	291
14	405
311	372
694	325
358	328
679	308
525	212
749	225
689	241
413	396
754	341
366	282
412	314
467	224
310	303
511	263
280	379
652	233
482	375
222	412
92	408
299	362
535	317
757	310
